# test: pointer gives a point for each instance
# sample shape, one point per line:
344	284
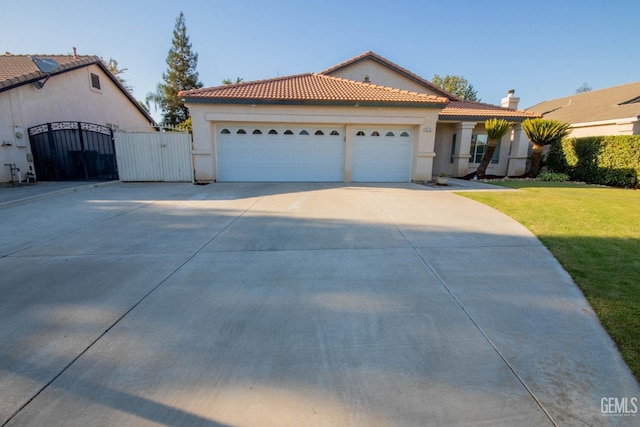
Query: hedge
607	160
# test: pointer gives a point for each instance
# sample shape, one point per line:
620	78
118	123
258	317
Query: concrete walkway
291	305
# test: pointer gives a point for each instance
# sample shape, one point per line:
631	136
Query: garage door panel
382	155
280	156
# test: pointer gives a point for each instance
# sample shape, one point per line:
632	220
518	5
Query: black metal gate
73	151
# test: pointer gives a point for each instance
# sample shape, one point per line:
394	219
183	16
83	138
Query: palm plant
543	132
496	129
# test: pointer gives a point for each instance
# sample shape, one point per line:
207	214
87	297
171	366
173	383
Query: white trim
621	121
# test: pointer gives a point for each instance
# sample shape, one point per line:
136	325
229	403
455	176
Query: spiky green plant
543	132
496	129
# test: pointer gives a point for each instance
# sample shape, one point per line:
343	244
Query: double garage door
263	152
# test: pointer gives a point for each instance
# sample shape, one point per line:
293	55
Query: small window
478	147
304	132
241	132
405	134
375	133
225	131
273	132
257	132
95	81
288	132
335	132
360	133
389	134
319	132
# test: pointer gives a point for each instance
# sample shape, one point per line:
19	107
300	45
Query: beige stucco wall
444	139
622	127
380	75
205	116
66	97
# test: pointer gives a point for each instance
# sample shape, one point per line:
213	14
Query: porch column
519	152
464	131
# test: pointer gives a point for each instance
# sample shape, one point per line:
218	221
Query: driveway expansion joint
468	315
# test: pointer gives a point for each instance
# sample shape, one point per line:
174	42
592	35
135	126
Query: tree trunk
536	157
486	158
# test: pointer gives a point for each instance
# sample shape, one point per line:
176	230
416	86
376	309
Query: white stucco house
611	111
80	89
366	119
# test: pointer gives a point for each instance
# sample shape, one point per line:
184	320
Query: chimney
510	101
75	52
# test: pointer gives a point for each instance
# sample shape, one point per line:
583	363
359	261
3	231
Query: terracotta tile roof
617	102
19	69
312	89
395	67
479	110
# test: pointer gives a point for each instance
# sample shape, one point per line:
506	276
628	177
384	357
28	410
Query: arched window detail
335	132
404	134
304	132
241	132
389	134
273	132
375	133
225	131
360	133
257	132
319	132
288	132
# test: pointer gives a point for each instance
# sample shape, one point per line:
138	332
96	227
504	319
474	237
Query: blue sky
542	49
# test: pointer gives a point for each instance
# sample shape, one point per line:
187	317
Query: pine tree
181	75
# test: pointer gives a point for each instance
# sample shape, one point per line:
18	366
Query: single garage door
263	152
382	154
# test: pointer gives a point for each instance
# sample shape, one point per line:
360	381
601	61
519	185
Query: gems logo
619	406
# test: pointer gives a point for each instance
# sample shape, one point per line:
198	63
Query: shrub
607	160
555	159
553	177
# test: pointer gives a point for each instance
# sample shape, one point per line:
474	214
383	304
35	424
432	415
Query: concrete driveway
291	305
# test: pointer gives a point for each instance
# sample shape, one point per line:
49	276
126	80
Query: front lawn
594	232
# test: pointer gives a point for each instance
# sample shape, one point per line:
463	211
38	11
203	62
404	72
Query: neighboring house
366	119
80	89
610	111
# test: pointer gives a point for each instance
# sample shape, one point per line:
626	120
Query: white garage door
382	154
263	152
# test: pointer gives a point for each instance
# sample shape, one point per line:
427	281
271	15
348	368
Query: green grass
594	232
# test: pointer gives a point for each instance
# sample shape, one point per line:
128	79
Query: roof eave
330	103
39	76
480	118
